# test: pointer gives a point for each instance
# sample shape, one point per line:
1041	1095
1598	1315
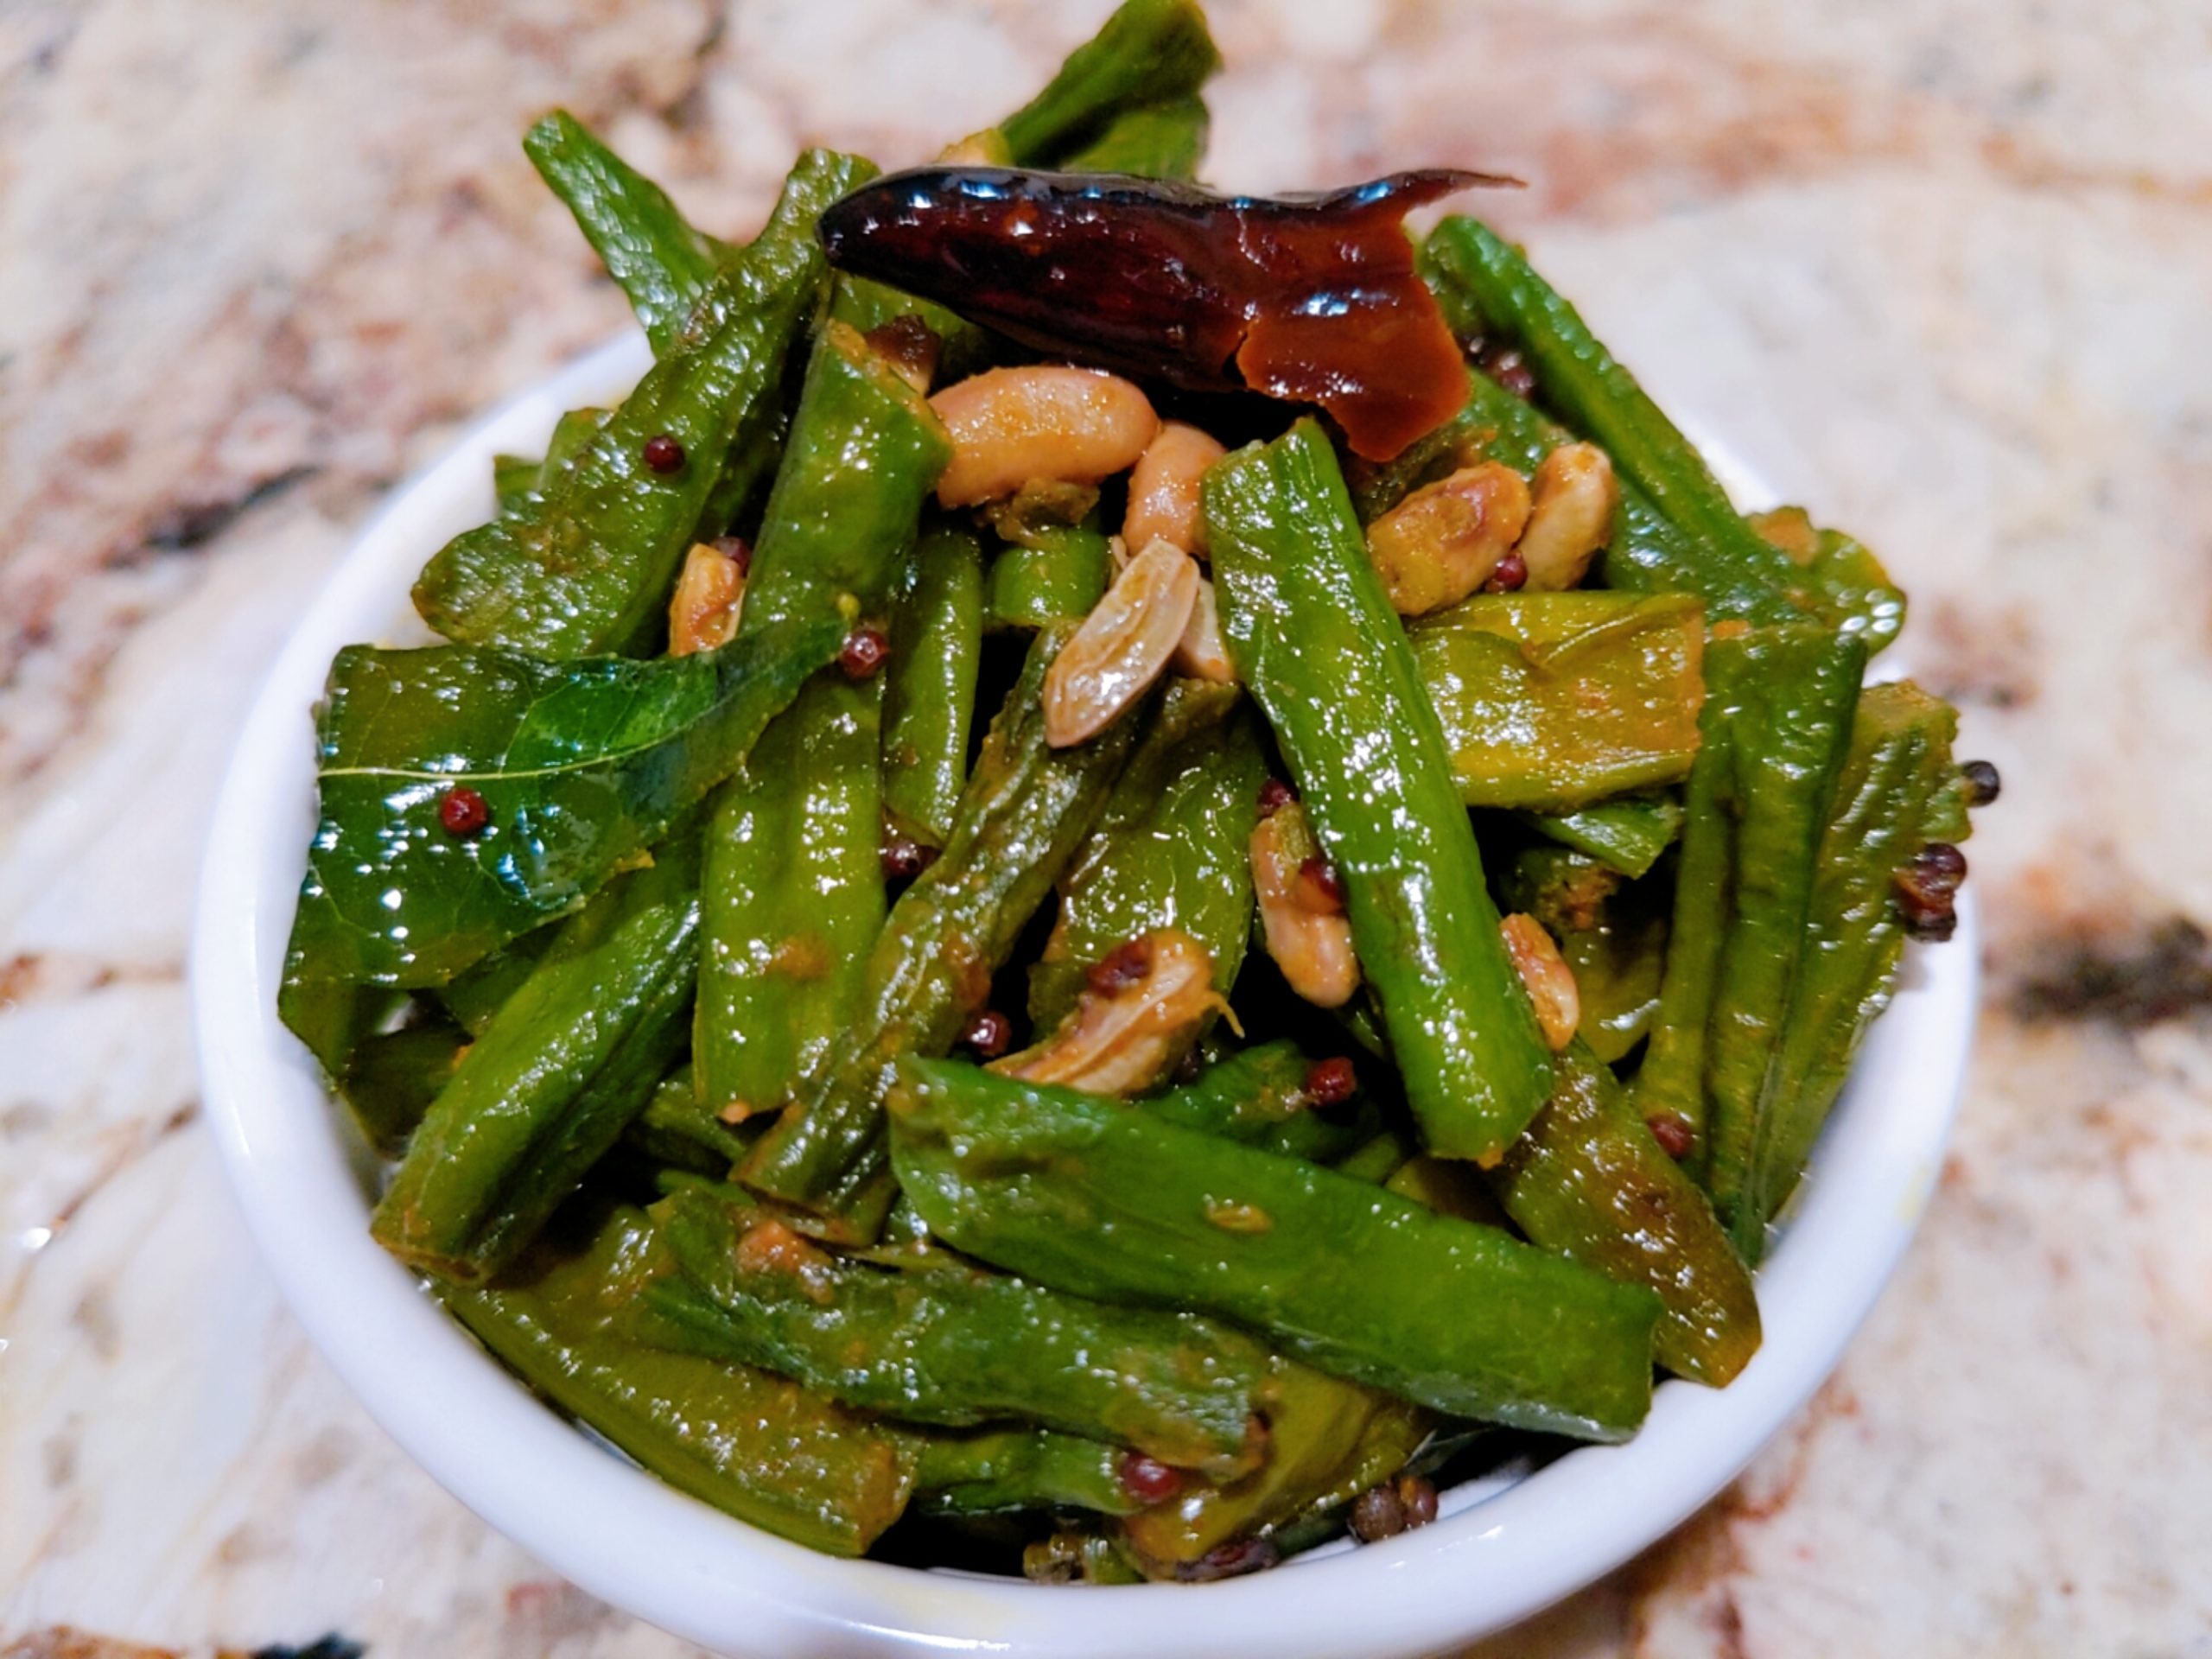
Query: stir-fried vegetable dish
1119	875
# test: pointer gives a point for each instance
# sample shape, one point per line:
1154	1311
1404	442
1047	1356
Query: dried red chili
1312	299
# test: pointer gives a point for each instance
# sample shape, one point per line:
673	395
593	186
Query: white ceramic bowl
1501	1550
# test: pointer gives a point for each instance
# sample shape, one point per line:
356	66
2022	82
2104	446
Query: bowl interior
1504	1546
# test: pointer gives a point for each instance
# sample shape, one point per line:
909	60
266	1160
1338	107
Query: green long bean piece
1485	279
585	566
1107	1200
864	451
928	696
947	1345
1314	638
994	1470
1628	835
1589	1180
554	1078
1791	729
1024	812
756	1445
1897	793
660	261
1149	52
1260	1096
793	896
1152	141
1171	850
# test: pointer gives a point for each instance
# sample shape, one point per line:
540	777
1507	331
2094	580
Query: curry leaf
582	766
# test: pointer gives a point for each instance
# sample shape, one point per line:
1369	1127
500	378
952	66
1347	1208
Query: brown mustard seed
737	550
1332	1082
864	652
1927	892
1510	576
1148	1480
462	811
1418	1494
1983	784
905	858
1672	1131
1940	868
987	1033
1120	968
1505	365
662	454
1230	1560
1930	924
1378	1513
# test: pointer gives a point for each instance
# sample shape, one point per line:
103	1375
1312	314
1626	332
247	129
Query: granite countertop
1941	268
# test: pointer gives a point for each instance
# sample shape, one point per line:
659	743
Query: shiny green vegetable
474	995
1259	1097
555	1078
1171	850
1102	1199
996	1470
929	695
1627	834
794	883
394	1075
861	459
1612	935
1792	725
585	566
1898	791
1556	701
1496	290
793	896
676	1131
1149	52
658	260
865	450
1590	1181
1057	574
1154	141
1315	1425
753	1444
582	766
1314	638
515	479
1025	810
947	1345
1670	1083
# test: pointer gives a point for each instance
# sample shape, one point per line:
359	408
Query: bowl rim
1500	1551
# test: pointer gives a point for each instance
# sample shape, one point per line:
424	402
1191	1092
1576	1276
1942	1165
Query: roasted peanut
1199	654
1129	1028
1164	489
709	595
1442	542
1010	426
1123	645
1545	974
1311	947
1571	517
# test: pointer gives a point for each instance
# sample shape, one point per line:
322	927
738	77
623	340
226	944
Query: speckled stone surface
1941	268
